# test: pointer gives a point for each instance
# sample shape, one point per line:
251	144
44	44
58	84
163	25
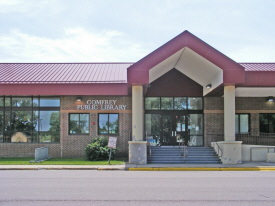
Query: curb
62	168
204	169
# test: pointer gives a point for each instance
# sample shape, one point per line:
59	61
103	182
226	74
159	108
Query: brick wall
74	145
27	149
214	117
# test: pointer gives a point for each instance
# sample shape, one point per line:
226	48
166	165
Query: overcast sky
128	30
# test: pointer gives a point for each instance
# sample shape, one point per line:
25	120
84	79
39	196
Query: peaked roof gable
233	72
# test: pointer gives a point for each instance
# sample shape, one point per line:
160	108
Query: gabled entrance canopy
192	57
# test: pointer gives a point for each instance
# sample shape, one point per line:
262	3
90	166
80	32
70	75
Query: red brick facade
74	145
214	118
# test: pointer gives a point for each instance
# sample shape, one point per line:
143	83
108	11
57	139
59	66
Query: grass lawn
56	161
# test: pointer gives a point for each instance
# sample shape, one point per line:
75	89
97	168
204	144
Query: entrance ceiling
192	65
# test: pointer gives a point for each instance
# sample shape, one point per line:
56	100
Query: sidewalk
245	166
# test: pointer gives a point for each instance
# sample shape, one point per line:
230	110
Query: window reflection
167	103
108	124
180	103
79	123
1	101
1	126
49	121
194	103
152	103
21	101
49	102
7	101
113	123
195	124
22	121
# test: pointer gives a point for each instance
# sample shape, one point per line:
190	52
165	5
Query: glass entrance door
172	128
167	136
181	129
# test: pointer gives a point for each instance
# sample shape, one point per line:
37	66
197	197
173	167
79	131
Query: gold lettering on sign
101	105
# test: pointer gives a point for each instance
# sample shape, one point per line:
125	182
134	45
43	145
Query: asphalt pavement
136	188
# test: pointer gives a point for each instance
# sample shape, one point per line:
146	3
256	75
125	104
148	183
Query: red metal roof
28	73
258	66
14	73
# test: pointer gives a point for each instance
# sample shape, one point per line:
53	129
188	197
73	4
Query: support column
137	113
229	113
231	149
137	147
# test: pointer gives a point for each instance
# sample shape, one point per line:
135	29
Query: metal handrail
260	148
184	151
219	149
148	144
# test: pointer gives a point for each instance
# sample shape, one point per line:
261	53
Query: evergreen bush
98	150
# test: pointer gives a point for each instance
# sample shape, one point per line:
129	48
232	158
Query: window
167	103
152	103
22	119
79	124
241	123
108	124
173	103
267	123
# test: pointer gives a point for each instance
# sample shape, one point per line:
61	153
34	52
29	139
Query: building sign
101	105
112	142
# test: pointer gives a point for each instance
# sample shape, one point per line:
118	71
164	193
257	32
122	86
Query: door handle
172	133
175	133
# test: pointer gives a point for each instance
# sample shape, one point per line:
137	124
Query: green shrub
98	150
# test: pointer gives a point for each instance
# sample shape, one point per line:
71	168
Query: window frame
7	135
269	117
79	124
239	123
186	105
108	134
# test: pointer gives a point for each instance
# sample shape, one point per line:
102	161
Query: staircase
172	155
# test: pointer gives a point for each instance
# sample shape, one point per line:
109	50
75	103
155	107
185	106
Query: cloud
256	53
77	45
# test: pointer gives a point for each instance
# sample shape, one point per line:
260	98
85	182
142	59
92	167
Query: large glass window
241	123
195	129
1	126
108	124
1	101
195	103
267	123
167	103
152	103
180	103
79	123
173	103
49	102
21	101
22	120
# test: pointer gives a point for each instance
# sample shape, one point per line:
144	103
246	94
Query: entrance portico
205	66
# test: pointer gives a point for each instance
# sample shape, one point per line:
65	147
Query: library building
185	102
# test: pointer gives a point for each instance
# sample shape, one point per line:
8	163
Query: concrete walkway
245	166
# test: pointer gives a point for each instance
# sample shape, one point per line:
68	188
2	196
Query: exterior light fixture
208	86
78	99
270	99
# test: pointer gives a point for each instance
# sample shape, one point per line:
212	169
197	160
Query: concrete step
172	155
